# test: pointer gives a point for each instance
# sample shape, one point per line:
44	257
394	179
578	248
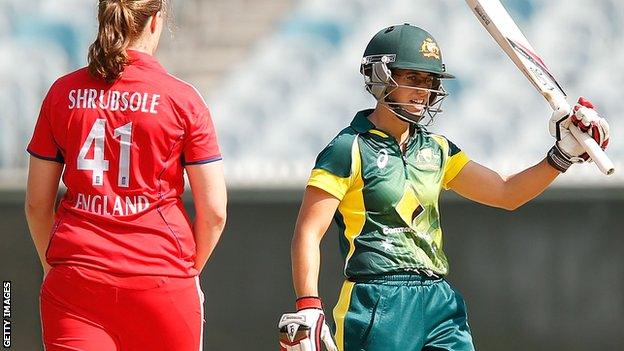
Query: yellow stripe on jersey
378	132
453	166
340	312
333	184
352	206
440	140
329	182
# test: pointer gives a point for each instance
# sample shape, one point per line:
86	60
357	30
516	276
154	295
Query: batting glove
567	150
304	330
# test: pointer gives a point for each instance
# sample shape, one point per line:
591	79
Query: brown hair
120	22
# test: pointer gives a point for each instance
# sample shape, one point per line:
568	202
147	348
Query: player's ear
154	21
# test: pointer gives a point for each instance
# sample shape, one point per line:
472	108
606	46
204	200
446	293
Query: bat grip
595	152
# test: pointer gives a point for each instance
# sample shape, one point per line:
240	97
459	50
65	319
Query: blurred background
281	78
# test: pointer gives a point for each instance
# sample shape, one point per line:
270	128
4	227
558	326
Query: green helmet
403	47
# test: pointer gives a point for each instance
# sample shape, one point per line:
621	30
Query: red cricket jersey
124	146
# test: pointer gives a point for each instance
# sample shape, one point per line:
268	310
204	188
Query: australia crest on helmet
430	49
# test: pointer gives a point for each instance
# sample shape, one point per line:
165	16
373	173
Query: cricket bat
495	18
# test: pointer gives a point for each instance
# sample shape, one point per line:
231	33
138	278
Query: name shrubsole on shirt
119	206
113	100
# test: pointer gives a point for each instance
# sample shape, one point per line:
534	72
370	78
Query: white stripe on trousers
200	294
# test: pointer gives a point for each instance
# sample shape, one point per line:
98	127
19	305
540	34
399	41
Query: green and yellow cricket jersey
388	214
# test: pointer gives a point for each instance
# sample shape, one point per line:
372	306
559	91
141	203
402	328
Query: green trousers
401	313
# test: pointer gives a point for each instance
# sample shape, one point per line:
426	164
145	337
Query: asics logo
382	158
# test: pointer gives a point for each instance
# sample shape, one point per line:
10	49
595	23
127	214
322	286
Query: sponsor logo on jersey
382	158
430	49
428	159
399	230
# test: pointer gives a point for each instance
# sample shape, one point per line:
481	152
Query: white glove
304	330
567	149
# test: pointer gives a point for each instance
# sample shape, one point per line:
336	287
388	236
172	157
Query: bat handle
595	152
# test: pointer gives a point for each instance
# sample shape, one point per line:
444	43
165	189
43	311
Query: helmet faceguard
380	83
404	47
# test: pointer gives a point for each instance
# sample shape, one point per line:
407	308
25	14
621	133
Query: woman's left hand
46	270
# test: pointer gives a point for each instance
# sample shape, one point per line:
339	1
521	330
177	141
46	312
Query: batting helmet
403	47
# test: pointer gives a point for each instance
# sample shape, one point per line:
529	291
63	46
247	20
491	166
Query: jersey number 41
97	138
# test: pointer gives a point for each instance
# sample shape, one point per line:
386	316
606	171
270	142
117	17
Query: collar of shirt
138	58
362	124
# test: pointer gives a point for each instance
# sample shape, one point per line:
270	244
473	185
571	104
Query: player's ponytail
120	22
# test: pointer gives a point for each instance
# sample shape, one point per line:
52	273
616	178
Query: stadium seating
282	76
300	86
